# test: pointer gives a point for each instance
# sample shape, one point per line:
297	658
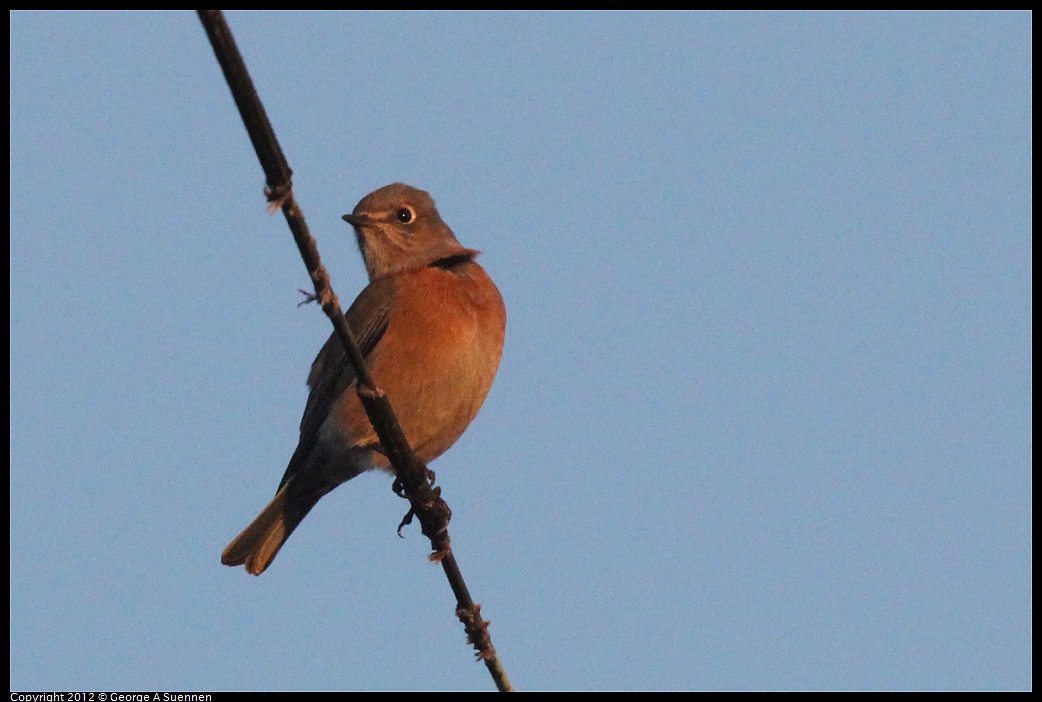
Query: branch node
442	551
477	631
328	299
371	393
277	195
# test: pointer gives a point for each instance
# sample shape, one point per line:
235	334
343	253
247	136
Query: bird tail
258	544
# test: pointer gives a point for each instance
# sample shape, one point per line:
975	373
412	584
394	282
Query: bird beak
359	220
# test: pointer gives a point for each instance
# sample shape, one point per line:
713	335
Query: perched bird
430	325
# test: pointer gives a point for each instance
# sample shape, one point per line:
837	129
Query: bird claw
406	521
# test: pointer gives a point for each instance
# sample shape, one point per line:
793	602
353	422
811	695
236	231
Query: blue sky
763	419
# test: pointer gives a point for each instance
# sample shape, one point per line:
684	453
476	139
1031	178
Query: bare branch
413	480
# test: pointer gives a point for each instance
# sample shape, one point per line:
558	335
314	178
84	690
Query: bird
430	325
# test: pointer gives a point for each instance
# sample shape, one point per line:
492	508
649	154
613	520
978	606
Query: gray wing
331	373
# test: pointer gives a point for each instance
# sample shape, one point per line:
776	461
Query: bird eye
405	215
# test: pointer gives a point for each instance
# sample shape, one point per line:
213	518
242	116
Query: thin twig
412	482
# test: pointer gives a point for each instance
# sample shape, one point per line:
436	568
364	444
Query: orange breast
437	359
